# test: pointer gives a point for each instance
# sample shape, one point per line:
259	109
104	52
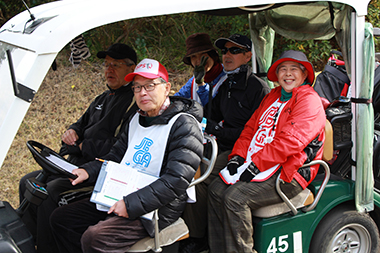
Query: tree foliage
9	8
374	19
163	37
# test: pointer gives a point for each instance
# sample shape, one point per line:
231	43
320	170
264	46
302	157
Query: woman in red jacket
285	132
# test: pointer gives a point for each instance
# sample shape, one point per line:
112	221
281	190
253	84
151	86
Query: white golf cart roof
31	46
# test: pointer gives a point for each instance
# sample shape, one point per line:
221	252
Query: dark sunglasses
233	50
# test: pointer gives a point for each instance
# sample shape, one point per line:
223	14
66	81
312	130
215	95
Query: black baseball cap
119	51
238	39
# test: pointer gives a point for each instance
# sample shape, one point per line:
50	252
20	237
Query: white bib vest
264	134
267	128
146	147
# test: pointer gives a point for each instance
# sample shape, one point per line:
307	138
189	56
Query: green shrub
163	37
373	18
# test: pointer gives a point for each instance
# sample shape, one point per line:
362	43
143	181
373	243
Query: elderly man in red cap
285	132
208	70
171	125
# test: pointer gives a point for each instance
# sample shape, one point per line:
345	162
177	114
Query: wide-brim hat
197	43
292	55
150	69
237	39
119	51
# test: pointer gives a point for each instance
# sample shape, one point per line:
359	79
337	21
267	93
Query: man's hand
70	137
234	163
200	71
212	127
250	172
119	209
69	150
82	176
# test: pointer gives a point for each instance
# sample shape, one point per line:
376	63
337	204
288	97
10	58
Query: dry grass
62	98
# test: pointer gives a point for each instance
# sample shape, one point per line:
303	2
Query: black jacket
182	157
237	99
96	128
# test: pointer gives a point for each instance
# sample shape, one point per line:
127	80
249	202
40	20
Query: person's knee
96	239
216	190
230	200
88	237
57	186
234	199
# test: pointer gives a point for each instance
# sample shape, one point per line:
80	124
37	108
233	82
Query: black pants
195	214
69	222
37	218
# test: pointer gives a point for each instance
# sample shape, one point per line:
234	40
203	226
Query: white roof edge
73	17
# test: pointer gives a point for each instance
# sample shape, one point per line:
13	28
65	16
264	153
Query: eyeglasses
233	50
148	87
114	65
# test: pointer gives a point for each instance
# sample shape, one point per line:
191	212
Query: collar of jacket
122	89
234	80
177	105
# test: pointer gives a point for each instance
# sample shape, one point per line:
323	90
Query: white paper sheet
120	180
62	163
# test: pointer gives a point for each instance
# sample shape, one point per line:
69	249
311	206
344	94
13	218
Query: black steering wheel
40	152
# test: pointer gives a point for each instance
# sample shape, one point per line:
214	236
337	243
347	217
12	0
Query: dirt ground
62	98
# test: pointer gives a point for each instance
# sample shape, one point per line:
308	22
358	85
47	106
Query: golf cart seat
178	230
304	199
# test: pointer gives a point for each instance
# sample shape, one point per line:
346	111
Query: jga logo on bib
146	145
142	156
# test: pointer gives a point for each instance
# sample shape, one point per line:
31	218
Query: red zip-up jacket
301	121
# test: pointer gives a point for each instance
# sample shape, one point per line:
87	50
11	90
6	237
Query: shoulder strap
127	114
338	74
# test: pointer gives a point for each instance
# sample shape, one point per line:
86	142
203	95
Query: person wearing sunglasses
239	95
91	136
207	69
237	99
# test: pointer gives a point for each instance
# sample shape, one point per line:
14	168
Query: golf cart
344	212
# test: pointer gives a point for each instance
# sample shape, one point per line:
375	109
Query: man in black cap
90	137
237	99
239	95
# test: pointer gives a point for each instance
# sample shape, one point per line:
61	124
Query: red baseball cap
150	69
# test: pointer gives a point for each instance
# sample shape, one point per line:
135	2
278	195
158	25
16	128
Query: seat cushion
328	148
167	236
304	198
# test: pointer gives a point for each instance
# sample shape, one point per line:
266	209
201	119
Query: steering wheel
40	153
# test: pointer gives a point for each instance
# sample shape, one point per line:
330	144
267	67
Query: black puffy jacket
182	157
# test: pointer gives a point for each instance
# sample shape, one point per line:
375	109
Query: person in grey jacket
122	226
